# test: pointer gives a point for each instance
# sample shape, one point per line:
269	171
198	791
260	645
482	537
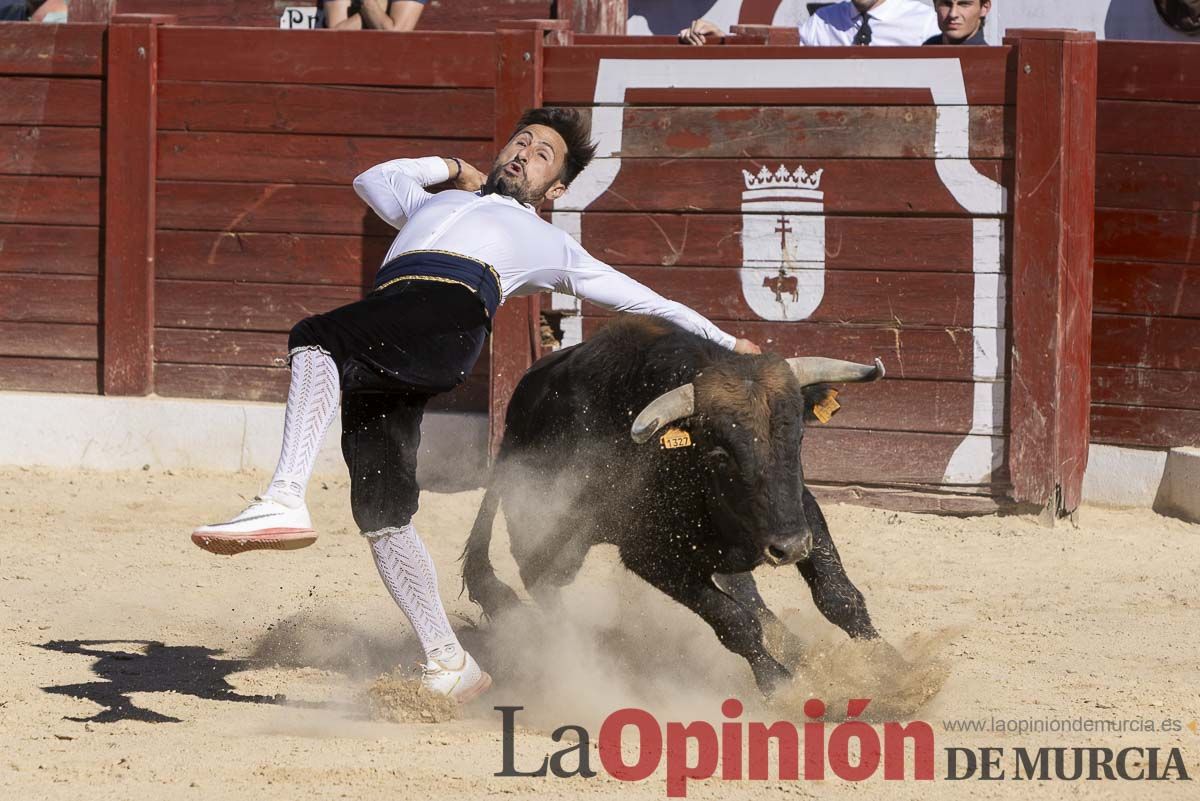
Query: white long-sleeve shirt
529	254
893	23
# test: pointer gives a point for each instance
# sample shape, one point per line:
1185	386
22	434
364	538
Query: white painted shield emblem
783	243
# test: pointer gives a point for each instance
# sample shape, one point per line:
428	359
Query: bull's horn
816	370
668	407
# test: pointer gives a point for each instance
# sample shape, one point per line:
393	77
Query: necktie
863	37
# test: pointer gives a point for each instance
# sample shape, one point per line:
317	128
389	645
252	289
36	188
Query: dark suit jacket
977	39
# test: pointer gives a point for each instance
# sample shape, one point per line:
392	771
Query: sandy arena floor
138	667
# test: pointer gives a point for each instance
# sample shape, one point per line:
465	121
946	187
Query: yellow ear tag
825	409
675	438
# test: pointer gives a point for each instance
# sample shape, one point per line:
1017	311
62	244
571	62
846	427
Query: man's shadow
185	669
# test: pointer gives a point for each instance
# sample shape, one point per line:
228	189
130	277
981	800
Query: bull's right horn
817	370
666	408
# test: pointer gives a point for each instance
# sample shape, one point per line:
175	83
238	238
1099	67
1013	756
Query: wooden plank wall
258	225
1146	327
439	15
899	248
50	206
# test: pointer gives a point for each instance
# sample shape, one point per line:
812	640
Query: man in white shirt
853	22
458	255
870	22
961	22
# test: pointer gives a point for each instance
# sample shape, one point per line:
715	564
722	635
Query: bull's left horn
817	370
666	408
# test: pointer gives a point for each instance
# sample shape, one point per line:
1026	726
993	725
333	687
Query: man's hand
463	175
470	179
695	33
746	346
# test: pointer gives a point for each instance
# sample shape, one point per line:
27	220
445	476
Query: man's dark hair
575	131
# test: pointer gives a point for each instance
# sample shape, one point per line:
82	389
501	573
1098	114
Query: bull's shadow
185	669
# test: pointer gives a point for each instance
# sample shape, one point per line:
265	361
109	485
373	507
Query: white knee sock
311	405
407	569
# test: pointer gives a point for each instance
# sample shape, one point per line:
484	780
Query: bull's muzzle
788	550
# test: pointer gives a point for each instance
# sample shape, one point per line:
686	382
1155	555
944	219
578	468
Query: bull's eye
718	457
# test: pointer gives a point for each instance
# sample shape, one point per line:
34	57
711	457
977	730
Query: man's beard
510	186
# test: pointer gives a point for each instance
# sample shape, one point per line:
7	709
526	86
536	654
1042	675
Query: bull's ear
820	402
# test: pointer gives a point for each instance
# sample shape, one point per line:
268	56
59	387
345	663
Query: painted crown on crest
782	179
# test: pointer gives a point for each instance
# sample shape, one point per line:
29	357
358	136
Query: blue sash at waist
437	265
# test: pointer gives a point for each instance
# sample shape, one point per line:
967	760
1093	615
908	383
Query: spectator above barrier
961	22
852	22
33	10
870	22
379	15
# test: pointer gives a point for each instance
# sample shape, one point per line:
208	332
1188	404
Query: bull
781	285
691	511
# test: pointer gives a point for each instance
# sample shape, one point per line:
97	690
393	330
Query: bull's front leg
780	640
833	593
736	626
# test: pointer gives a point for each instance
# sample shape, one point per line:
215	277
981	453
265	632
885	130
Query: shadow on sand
125	667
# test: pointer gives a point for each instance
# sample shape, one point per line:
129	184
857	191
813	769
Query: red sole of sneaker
481	687
272	539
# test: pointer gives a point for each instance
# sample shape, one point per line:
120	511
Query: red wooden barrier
766	34
258	226
243	220
131	116
594	16
439	15
51	84
1146	327
91	10
1052	275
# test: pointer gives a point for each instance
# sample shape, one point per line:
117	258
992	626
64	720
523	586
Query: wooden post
91	10
130	121
759	12
595	16
765	34
515	330
1050	387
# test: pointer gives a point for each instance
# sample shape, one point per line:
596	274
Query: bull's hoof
770	676
782	642
884	655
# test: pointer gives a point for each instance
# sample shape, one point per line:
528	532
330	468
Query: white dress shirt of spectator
892	23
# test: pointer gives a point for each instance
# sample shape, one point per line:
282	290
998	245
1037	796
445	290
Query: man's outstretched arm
590	279
396	189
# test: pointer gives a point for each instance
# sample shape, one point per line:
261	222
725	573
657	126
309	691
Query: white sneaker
264	524
463	683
